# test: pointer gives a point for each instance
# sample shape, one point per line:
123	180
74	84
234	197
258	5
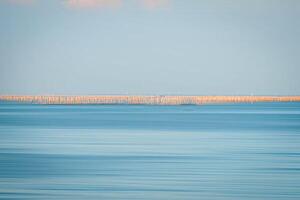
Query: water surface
233	151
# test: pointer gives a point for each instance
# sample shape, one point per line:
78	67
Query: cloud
93	3
154	4
148	4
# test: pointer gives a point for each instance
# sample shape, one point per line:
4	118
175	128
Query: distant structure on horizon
148	100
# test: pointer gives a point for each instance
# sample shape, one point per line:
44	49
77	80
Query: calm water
242	151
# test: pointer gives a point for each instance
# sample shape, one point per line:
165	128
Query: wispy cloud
93	3
154	4
148	4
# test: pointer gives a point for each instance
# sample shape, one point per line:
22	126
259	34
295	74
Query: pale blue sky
212	47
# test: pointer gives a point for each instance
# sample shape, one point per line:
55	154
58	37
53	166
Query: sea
144	152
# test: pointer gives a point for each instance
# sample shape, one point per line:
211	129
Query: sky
150	47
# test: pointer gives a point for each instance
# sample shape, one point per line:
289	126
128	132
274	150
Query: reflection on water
242	151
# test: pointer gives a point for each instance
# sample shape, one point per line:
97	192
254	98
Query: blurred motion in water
232	151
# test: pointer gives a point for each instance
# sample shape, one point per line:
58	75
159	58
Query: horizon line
144	100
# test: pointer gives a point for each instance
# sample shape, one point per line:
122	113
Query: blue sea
231	151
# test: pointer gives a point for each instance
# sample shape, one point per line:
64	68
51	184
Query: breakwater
150	100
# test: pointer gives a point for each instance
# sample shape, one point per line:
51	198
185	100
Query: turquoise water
241	151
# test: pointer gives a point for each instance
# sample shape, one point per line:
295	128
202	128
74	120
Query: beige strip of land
150	100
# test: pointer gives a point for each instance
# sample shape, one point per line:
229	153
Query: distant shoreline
145	100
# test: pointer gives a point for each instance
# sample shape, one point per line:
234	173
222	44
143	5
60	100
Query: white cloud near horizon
93	3
154	4
148	4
